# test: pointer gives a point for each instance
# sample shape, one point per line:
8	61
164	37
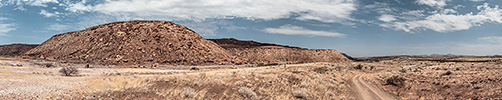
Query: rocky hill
15	49
266	53
134	42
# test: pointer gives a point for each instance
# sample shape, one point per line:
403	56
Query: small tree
68	71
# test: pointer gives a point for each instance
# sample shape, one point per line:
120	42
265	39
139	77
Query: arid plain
462	78
163	60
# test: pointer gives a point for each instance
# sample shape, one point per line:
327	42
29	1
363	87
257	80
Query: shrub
247	93
194	68
68	71
359	66
260	64
300	94
402	70
322	70
48	65
188	92
447	73
271	64
396	81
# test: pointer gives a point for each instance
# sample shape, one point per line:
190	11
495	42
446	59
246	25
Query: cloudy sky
356	27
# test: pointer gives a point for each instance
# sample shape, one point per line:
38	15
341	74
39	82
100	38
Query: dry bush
194	69
48	65
247	93
396	81
322	70
447	73
359	66
68	71
260	64
300	94
188	92
271	64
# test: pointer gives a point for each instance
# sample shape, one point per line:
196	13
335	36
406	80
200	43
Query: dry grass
247	93
440	80
270	82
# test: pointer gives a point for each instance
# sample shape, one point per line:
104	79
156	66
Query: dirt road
367	91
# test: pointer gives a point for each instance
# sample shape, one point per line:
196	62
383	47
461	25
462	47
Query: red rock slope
266	53
15	49
134	42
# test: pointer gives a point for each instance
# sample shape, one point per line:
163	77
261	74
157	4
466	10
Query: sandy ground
28	79
367	91
25	79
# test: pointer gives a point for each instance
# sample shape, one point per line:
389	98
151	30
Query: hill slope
133	42
264	52
15	49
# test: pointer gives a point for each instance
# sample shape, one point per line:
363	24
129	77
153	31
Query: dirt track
367	91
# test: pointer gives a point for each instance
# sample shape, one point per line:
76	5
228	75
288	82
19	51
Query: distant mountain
15	49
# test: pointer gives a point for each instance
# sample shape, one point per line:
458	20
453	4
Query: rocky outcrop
265	53
15	49
134	42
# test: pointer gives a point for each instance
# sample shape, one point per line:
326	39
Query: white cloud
296	30
447	22
48	14
20	8
433	3
379	7
494	39
387	18
448	11
78	7
6	27
458	6
1	4
320	10
42	3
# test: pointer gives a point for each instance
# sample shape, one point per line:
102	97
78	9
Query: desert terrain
31	79
373	80
163	60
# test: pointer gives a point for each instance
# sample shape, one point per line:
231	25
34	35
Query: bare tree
68	71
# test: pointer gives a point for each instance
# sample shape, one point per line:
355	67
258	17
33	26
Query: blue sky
356	27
